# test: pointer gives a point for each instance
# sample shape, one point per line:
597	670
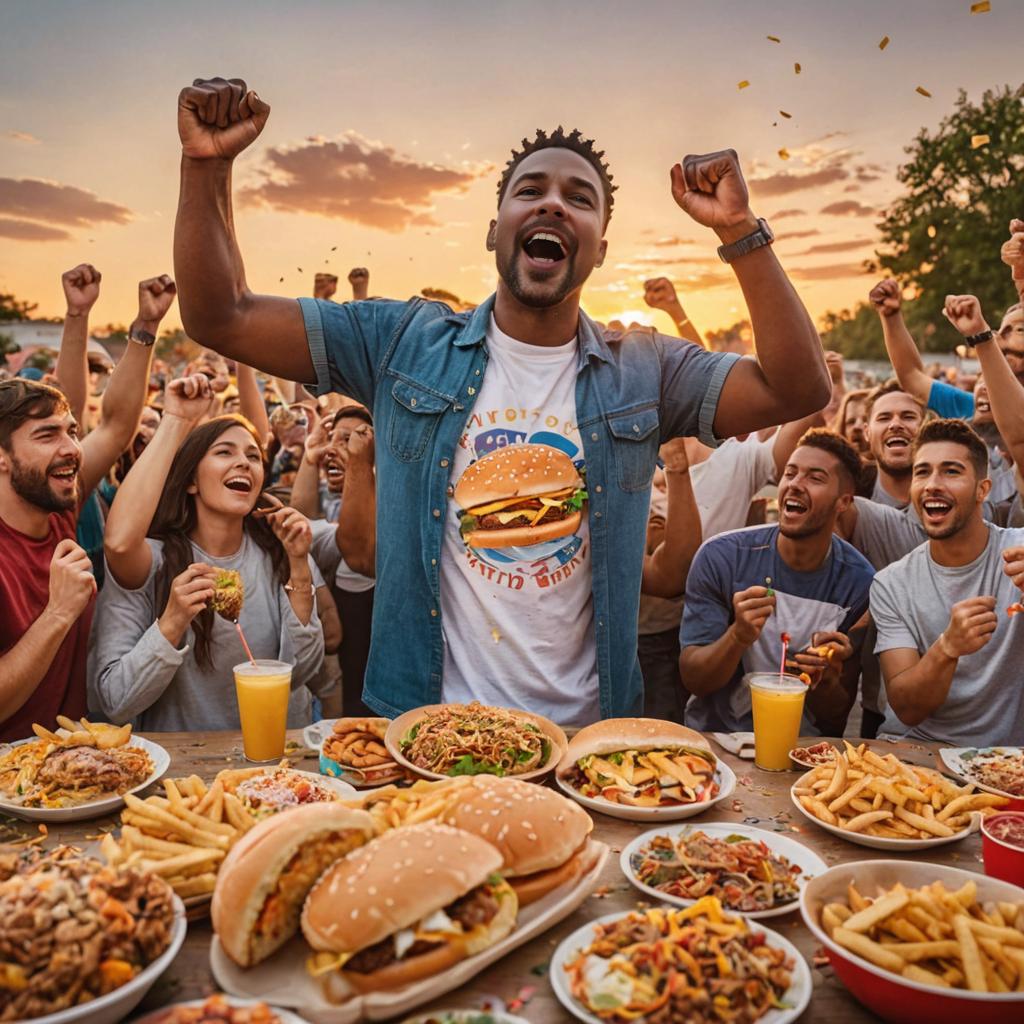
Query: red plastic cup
1003	859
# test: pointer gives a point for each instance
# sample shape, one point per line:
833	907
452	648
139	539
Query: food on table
882	796
357	746
264	880
216	1010
642	762
79	764
998	768
744	874
1009	829
695	965
74	930
519	495
228	594
475	739
407	906
820	753
933	935
266	791
394	806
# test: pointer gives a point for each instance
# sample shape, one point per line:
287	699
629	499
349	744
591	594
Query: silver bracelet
301	589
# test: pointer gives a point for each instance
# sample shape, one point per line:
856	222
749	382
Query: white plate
117	1005
798	994
724	776
314	735
343	789
808	861
881	842
285	1016
953	758
466	1017
283	980
97	808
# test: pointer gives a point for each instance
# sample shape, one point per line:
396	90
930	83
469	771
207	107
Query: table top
761	799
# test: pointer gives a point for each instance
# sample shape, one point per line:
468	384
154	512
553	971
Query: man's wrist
736	639
77	314
142	323
945	648
59	618
729	233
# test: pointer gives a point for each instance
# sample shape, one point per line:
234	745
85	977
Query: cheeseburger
268	873
520	495
407	906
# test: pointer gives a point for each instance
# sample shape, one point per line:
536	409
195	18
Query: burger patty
492	522
480	906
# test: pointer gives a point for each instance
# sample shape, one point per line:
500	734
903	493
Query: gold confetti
495	635
784	114
923	91
281	281
797	69
774	39
978	141
784	153
884	43
743	84
982	8
931	231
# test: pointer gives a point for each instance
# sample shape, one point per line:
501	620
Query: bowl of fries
918	942
886	804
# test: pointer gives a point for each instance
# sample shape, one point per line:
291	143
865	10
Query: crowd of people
690	508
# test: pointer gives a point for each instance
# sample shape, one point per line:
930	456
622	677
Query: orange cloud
25	137
831	272
26	231
353	178
53	203
784	182
848	208
789	213
852	244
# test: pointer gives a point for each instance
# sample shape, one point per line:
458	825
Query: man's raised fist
81	288
219	117
711	189
886	297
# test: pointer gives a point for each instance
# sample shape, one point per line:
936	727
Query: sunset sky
391	118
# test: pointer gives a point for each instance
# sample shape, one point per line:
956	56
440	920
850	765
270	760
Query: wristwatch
141	337
977	339
762	236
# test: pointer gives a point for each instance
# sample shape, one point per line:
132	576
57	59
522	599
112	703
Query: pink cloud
26	231
848	208
53	203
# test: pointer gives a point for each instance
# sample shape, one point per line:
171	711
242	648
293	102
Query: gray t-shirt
882	497
136	674
328	558
884	534
911	602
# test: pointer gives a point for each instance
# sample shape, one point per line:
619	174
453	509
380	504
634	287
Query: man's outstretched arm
217	119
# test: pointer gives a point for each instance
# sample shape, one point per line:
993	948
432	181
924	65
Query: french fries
392	807
863	792
182	836
934	936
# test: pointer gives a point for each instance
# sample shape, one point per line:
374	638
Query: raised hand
752	608
1012	251
964	313
660	293
711	189
188	398
324	286
218	118
886	297
72	583
190	593
971	625
675	454
318	440
290	527
824	656
360	443
81	288
156	296
1013	567
359	278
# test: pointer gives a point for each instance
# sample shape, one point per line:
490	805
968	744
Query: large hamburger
541	835
519	495
266	877
409	905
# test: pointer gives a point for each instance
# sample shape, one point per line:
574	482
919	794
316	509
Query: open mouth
66	474
981	405
241	484
936	509
544	248
897	444
794	507
334	472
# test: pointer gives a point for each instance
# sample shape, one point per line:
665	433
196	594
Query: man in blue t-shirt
748	587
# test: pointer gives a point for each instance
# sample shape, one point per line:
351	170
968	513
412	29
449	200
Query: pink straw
782	664
241	635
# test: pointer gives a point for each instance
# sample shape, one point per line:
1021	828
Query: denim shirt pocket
414	414
635	438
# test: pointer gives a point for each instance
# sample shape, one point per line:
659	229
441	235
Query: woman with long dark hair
193	505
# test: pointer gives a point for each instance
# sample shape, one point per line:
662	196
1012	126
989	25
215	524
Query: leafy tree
739	337
176	347
856	334
943	235
12	308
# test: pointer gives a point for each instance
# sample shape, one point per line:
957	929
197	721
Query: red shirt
24	593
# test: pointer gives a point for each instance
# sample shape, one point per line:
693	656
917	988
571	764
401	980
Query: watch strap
978	339
141	337
755	240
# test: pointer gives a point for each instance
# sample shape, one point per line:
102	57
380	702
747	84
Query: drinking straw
782	664
241	636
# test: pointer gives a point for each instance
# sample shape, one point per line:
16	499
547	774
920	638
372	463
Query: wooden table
761	799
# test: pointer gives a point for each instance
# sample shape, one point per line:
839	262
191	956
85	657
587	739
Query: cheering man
548	624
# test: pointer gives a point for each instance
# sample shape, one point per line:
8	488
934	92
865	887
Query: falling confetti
334	248
797	69
923	91
299	269
977	141
774	39
281	281
981	8
884	43
743	84
784	153
931	231
737	806
784	114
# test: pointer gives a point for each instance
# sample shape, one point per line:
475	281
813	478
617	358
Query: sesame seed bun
614	734
516	471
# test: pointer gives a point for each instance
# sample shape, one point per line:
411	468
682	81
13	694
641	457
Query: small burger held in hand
519	495
409	905
264	880
541	834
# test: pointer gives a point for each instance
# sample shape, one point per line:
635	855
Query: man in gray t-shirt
950	656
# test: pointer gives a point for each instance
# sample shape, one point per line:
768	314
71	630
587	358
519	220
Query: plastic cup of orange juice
263	688
778	706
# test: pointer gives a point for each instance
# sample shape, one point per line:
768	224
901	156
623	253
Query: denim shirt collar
475	323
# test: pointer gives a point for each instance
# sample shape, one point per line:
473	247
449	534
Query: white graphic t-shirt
519	621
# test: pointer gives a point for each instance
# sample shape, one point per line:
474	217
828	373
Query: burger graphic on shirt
519	496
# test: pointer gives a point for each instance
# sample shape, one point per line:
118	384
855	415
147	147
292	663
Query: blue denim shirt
418	367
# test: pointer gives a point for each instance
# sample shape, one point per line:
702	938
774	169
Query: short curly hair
956	432
559	139
850	465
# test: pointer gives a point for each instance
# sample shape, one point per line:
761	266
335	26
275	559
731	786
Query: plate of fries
886	804
56	776
922	942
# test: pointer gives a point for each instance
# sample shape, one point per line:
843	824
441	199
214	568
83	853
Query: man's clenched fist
156	296
219	117
886	297
752	608
81	288
1012	252
971	625
711	189
964	313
